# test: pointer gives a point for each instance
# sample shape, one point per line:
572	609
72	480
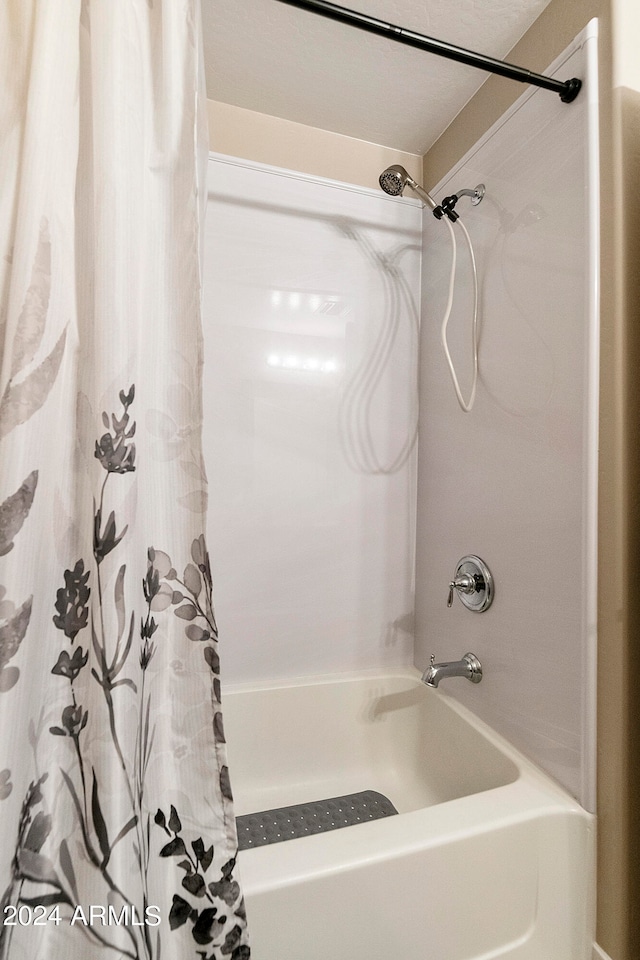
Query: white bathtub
488	858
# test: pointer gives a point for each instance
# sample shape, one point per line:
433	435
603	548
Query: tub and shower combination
336	538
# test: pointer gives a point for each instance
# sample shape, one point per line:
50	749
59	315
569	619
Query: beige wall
626	36
296	146
618	929
626	74
627	112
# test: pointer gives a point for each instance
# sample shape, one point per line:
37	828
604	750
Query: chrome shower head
395	178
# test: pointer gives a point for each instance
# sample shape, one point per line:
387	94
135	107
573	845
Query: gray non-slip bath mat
304	819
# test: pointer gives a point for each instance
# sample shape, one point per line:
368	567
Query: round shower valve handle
473	583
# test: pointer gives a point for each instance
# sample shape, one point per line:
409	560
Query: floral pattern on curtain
117	833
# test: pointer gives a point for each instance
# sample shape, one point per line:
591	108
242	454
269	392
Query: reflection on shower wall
515	480
311	293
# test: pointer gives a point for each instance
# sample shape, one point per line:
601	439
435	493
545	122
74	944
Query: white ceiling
278	60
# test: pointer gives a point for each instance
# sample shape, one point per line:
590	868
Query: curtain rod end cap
571	90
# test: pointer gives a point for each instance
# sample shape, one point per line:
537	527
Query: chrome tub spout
469	667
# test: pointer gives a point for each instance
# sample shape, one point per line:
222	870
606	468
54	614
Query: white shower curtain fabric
117	834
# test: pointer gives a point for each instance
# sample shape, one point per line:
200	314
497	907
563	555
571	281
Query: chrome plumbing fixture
469	667
395	178
393	181
448	204
473	583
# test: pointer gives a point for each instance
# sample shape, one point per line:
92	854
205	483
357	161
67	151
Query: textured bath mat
303	819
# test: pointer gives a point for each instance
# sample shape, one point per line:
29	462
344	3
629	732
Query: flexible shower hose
465	405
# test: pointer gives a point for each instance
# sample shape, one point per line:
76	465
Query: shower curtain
117	835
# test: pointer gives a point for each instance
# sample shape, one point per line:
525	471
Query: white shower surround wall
314	548
515	481
315	570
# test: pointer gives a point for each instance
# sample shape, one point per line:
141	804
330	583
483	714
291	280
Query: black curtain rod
568	89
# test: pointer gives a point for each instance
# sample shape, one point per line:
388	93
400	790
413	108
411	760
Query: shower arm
447	206
568	90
